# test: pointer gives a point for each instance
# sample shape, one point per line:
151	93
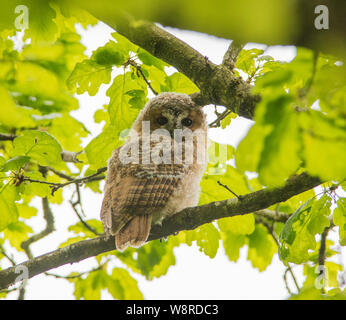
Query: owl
157	171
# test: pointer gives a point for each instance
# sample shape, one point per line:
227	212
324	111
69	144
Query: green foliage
9	211
262	247
246	60
298	234
288	134
100	148
339	218
119	284
206	237
39	146
299	126
241	230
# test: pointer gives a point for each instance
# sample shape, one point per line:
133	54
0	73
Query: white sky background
195	276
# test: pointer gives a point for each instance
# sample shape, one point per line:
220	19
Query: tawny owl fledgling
157	172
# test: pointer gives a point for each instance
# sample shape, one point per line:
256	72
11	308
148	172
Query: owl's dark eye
186	122
162	120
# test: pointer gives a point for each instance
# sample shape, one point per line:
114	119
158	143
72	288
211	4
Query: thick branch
187	219
286	23
217	83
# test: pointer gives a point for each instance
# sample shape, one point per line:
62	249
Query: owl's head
171	111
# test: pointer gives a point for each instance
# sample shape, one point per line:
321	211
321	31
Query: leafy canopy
300	125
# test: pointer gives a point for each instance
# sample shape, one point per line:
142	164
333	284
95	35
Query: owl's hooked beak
177	126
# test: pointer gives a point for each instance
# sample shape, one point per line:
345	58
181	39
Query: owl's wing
134	190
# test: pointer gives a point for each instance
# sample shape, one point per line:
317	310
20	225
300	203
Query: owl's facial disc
173	117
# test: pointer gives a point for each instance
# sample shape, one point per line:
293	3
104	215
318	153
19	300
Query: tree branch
49	218
232	53
7	137
138	68
217	83
56	186
187	219
322	250
276	216
74	207
68	156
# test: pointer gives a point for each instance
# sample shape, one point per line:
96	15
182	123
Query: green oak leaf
262	247
298	234
281	146
38	145
101	147
122	286
339	218
15	163
16	233
110	54
11	115
246	60
8	207
206	236
124	91
88	76
177	82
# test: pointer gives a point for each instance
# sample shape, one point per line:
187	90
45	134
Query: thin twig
56	186
78	275
232	53
220	116
60	174
7	137
286	282
322	250
25	245
293	277
20	288
49	218
139	71
312	78
276	216
322	254
223	185
74	207
7	256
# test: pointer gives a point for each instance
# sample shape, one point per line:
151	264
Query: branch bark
286	23
187	219
232	53
217	83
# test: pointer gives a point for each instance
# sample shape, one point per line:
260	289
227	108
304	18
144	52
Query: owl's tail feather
135	233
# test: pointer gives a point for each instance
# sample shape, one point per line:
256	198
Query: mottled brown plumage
139	192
